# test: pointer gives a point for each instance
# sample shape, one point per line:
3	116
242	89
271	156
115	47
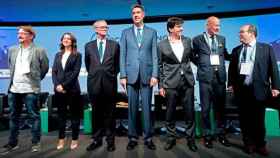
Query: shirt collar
208	35
252	43
103	40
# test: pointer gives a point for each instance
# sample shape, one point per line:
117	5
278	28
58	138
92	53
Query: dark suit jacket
68	77
102	77
202	52
265	71
171	67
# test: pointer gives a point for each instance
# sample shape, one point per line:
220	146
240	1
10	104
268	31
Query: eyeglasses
23	33
102	27
243	31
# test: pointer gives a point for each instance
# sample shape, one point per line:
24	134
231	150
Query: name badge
246	68
214	59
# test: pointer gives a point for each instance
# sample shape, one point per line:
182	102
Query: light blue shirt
208	39
250	57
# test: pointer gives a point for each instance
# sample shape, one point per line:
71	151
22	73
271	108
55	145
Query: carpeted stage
179	151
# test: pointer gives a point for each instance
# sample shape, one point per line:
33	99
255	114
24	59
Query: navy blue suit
251	99
211	81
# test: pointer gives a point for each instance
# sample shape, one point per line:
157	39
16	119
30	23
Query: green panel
44	120
87	121
272	122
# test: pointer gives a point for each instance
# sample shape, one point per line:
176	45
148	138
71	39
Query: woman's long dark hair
74	43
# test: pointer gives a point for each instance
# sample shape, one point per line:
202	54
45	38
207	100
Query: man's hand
162	92
275	92
153	81
230	88
59	88
123	82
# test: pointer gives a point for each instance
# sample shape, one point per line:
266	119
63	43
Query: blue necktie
139	36
100	50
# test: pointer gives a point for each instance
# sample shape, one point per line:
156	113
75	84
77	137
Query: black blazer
265	71
202	52
170	67
68	77
102	77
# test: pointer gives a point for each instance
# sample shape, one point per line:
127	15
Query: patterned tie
139	36
100	51
213	45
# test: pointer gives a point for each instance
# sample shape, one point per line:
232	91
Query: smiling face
67	40
177	30
138	16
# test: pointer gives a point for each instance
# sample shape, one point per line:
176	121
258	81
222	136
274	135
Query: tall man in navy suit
139	73
253	76
102	64
210	51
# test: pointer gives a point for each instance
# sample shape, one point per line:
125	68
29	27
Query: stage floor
179	151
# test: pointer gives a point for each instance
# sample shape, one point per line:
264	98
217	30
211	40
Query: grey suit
39	65
177	80
211	81
138	65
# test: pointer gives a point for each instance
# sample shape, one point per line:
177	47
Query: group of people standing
143	63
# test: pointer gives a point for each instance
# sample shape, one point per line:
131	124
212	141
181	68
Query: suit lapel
257	56
15	54
144	33
170	51
95	51
185	44
106	52
238	53
71	56
60	60
134	36
203	40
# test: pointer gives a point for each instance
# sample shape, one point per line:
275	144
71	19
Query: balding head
213	25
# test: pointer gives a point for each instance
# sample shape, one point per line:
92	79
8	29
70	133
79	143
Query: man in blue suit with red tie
139	73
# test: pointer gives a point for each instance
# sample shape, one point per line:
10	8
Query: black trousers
69	104
252	117
103	117
183	95
212	95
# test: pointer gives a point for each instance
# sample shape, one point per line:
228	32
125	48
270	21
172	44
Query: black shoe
249	149
169	144
192	146
8	148
224	141
263	151
131	145
95	144
150	145
111	147
208	143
